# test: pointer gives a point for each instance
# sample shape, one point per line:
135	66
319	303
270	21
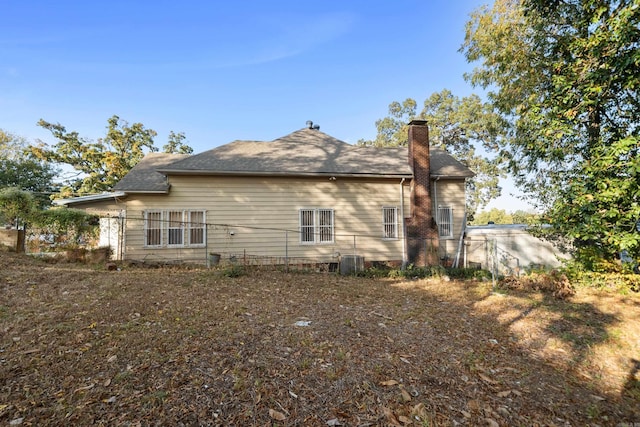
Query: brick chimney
422	234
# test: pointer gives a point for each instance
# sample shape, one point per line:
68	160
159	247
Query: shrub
554	282
233	270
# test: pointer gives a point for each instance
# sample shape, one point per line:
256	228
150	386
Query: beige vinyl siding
249	215
450	193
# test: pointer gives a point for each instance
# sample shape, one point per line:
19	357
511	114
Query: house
306	195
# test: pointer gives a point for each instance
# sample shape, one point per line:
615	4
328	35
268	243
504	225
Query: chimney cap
416	122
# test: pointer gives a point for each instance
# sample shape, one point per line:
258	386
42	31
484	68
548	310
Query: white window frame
175	228
196	226
389	223
158	230
316	226
444	219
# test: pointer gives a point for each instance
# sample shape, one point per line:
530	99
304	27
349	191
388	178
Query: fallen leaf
277	415
107	382
87	387
504	393
405	395
389	382
391	418
292	394
419	410
473	405
487	379
491	422
112	358
333	422
404	420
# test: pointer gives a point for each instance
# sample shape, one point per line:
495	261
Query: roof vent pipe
310	125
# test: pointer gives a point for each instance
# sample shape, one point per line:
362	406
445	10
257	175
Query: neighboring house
306	195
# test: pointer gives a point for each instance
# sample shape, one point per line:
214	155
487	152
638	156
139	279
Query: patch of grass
233	271
155	398
122	376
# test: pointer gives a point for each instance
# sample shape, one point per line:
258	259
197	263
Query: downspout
435	194
435	212
404	228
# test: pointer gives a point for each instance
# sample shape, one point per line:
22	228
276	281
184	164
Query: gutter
284	174
90	198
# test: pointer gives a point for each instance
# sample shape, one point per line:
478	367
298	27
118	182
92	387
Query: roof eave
286	174
462	176
89	198
147	191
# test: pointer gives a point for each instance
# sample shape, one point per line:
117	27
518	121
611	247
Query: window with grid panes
389	222
153	228
444	218
316	226
196	227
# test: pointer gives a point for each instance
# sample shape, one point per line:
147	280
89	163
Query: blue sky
220	71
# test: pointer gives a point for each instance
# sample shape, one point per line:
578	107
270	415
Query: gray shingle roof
310	152
306	152
144	177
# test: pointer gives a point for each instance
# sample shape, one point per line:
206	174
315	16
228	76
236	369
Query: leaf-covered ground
80	345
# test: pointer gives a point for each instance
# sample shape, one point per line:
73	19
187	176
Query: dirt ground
80	345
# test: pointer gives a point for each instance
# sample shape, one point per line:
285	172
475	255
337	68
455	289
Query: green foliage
468	273
11	145
68	227
524	217
495	215
565	76
19	169
233	270
458	125
615	281
101	164
412	272
16	205
500	216
175	144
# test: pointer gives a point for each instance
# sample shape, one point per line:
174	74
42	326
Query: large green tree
100	164
19	169
461	126
565	75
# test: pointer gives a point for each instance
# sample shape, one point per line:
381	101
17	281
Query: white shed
512	248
